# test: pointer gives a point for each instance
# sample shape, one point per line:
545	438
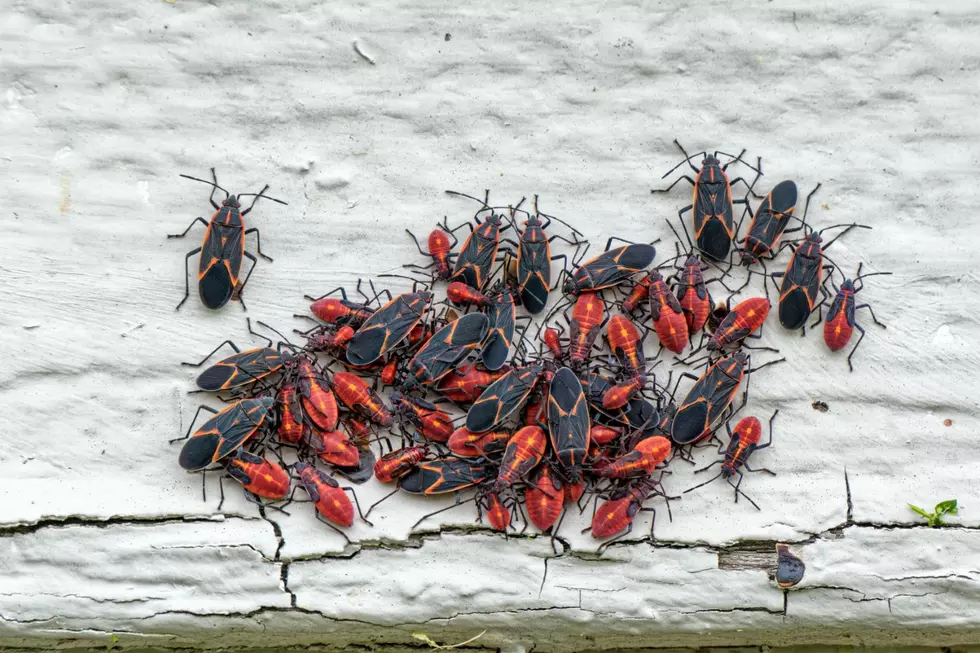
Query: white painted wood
105	103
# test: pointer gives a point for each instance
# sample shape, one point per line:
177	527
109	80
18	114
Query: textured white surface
104	103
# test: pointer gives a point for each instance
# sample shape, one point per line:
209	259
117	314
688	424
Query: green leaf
945	507
919	510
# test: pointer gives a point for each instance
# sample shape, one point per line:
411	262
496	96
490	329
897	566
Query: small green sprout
942	508
113	640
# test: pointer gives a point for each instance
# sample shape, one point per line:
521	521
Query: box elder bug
709	397
840	322
388	326
534	258
502	398
447	348
713	210
610	268
569	423
803	277
223	248
743	442
479	251
223	433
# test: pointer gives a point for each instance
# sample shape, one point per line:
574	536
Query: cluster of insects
532	411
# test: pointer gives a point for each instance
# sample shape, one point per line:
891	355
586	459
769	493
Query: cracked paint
102	534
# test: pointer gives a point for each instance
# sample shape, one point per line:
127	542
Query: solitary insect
840	322
790	569
223	248
714	223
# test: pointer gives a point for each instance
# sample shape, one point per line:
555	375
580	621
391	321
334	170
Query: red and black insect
525	449
431	422
223	433
713	206
223	248
388	326
464	295
443	476
259	476
610	268
770	222
479	251
343	311
448	347
840	322
329	498
544	497
588	317
668	317
743	442
316	397
244	367
637	296
740	323
334	447
440	247
503	320
709	398
465	384
333	342
498	514
534	259
392	466
640	461
616	514
691	288
358	396
290	411
569	423
474	445
502	398
551	337
803	278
